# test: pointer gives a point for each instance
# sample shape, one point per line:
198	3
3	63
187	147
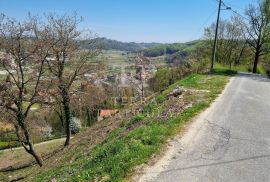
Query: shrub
149	108
75	125
46	132
160	99
8	139
165	77
135	120
55	122
4	145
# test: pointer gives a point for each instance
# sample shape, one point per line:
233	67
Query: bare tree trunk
88	116
30	149
66	108
36	156
142	96
237	62
142	88
256	60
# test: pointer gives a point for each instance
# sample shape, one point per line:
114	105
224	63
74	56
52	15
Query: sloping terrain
169	49
111	149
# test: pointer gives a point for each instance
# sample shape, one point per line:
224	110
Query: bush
135	120
4	145
75	125
149	108
55	122
160	99
8	136
8	139
165	77
161	80
46	132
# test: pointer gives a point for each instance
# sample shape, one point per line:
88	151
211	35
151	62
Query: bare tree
234	41
258	30
68	61
25	47
88	101
139	83
199	58
231	43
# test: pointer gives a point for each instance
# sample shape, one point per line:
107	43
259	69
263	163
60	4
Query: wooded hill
149	49
163	49
108	44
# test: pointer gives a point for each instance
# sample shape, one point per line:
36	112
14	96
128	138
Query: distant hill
173	48
109	44
148	49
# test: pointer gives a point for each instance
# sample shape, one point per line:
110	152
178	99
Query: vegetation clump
75	125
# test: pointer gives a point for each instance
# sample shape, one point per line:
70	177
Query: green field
118	61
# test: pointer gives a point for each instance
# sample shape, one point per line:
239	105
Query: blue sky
133	20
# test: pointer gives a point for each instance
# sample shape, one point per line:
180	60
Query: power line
240	15
203	24
221	4
234	11
230	7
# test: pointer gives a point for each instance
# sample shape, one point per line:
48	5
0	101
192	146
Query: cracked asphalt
233	142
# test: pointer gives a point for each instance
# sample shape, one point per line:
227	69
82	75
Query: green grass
261	70
4	145
227	72
241	68
113	57
124	149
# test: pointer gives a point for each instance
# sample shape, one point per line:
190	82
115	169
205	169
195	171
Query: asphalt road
229	143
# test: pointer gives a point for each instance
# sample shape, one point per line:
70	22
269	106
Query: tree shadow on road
222	72
218	163
256	77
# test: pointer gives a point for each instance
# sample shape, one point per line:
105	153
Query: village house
105	113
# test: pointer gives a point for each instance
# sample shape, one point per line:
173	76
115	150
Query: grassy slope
139	137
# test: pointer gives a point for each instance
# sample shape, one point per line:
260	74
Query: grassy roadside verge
142	136
242	68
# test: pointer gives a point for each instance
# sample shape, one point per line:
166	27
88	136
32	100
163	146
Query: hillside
110	150
108	44
149	49
169	49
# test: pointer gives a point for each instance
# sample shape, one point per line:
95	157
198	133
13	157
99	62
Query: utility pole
216	36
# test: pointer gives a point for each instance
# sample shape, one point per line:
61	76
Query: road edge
150	172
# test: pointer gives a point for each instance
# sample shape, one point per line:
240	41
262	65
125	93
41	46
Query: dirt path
16	156
38	144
